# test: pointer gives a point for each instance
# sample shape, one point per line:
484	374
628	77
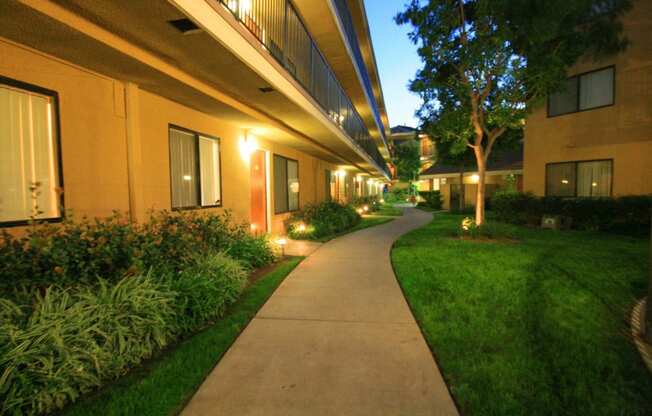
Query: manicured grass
535	326
164	385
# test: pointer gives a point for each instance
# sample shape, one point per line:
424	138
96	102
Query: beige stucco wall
92	125
105	123
622	132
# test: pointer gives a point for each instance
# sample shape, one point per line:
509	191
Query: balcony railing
277	25
349	30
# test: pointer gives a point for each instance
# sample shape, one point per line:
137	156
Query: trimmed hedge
322	220
629	215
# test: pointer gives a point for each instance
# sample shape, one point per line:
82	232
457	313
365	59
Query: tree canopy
488	63
407	159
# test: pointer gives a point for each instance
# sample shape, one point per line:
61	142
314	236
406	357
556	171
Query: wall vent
185	26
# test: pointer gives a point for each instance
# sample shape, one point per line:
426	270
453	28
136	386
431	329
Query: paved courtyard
336	338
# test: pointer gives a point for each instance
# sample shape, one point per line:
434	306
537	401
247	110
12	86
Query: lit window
579	179
194	169
29	169
286	185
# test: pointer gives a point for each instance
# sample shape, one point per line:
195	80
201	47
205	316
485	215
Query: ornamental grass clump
206	289
72	340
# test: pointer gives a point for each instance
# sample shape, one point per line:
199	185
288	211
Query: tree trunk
479	202
648	314
462	193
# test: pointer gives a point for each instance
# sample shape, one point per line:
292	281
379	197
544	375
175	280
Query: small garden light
301	227
282	242
359	211
365	208
382	201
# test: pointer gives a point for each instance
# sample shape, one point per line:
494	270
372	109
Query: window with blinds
29	154
286	185
579	179
583	92
195	175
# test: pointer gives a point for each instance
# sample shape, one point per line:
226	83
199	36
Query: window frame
578	93
196	135
576	164
58	159
287	159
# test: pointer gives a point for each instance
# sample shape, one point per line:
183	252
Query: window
195	177
583	92
29	153
579	179
286	185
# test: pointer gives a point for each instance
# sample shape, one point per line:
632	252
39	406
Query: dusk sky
397	60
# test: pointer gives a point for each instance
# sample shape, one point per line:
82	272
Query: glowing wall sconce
247	146
475	178
341	173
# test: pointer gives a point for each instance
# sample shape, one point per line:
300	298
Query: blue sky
397	60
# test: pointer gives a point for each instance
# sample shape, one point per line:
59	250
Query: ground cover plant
533	327
92	300
163	385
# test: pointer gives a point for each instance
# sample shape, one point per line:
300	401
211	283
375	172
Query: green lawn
389	210
164	385
535	326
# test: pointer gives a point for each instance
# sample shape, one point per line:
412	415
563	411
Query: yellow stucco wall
622	132
105	123
92	123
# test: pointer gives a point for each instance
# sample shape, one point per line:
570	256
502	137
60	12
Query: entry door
258	191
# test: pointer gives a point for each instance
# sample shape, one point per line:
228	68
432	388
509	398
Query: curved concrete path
336	338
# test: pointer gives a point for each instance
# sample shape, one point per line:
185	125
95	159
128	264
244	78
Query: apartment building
256	106
595	138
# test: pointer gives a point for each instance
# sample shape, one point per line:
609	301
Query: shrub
372	202
623	215
68	341
74	339
431	199
396	195
84	251
321	220
205	289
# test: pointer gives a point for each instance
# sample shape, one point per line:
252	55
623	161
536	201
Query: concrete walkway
336	338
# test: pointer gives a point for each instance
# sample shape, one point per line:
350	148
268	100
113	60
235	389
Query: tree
407	159
488	63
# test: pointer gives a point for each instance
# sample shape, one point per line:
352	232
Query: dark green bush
69	341
431	199
321	220
372	202
628	215
84	251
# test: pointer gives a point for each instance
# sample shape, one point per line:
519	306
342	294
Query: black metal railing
277	25
347	22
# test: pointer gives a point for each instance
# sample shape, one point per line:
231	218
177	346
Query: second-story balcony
279	28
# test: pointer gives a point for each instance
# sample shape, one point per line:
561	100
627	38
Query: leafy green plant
372	202
205	289
73	339
431	199
81	252
326	218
